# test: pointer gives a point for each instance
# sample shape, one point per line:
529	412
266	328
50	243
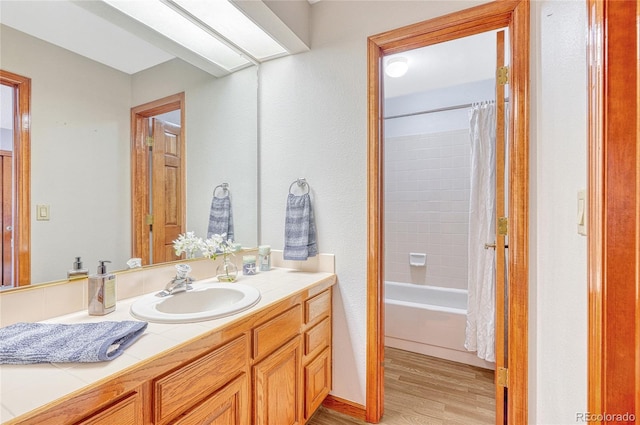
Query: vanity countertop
27	387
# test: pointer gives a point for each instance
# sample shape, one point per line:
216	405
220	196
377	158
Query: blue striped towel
24	343
299	229
221	217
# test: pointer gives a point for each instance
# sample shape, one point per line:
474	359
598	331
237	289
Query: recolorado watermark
586	417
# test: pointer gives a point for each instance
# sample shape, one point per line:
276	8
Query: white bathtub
429	320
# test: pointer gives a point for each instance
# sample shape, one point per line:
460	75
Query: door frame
22	171
498	14
140	180
613	234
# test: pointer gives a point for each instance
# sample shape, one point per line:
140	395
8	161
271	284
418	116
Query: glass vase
227	271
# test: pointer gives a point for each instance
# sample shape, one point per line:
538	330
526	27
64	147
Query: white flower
187	242
216	244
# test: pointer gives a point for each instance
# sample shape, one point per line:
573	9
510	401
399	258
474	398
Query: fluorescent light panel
162	18
231	23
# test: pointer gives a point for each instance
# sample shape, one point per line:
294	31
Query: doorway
444	151
515	16
158	167
15	176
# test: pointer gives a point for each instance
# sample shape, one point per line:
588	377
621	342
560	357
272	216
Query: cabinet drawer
317	382
228	406
125	412
183	388
317	307
275	332
318	337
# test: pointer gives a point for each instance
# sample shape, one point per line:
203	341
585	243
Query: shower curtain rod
431	111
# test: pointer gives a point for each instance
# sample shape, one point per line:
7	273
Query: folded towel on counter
221	217
24	343
299	229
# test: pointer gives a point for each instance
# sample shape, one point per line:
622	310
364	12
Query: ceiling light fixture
396	66
216	31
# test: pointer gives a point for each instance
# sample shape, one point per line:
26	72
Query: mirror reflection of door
167	187
15	96
158	178
6	174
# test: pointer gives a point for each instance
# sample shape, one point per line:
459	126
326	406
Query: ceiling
98	31
69	26
445	64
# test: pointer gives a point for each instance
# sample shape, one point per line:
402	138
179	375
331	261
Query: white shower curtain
481	310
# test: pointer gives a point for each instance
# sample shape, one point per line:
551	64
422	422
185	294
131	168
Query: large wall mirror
81	149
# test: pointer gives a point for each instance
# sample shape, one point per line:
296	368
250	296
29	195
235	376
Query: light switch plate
42	212
582	212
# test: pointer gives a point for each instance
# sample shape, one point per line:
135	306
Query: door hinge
503	225
149	141
148	220
503	377
503	75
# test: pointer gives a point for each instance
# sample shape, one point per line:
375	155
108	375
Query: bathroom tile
51	382
91	372
5	414
148	345
203	269
130	284
26	305
156	278
64	299
184	331
327	263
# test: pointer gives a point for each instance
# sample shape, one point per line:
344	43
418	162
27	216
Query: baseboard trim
347	407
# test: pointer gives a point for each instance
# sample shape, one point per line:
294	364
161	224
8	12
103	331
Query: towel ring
302	183
224	187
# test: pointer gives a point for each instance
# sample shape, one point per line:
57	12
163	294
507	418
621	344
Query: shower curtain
480	330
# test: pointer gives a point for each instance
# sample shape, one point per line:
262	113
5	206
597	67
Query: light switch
42	212
582	212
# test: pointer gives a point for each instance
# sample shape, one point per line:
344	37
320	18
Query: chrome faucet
180	283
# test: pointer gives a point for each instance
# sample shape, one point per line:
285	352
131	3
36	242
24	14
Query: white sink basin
205	301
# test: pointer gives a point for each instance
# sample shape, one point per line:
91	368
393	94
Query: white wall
313	125
558	316
79	155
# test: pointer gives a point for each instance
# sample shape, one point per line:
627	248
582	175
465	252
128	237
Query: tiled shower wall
427	183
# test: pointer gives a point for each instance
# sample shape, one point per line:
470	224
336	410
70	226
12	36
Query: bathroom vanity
270	364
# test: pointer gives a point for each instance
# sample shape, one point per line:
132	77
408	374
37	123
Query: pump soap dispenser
77	271
102	291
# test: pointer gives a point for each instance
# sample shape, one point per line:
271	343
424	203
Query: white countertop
26	387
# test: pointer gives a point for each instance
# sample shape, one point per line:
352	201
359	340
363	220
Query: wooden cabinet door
228	406
277	387
125	412
317	382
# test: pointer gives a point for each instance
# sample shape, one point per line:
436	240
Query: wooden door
168	153
277	387
6	173
500	244
167	190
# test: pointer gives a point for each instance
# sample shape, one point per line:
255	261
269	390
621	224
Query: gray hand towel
24	343
299	229
221	217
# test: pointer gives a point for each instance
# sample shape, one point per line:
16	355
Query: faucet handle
182	270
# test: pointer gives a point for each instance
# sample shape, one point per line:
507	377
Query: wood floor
423	390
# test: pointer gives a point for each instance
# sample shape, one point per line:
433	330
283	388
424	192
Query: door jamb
512	14
140	168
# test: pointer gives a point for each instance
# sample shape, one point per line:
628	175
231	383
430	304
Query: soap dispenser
77	271
102	291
